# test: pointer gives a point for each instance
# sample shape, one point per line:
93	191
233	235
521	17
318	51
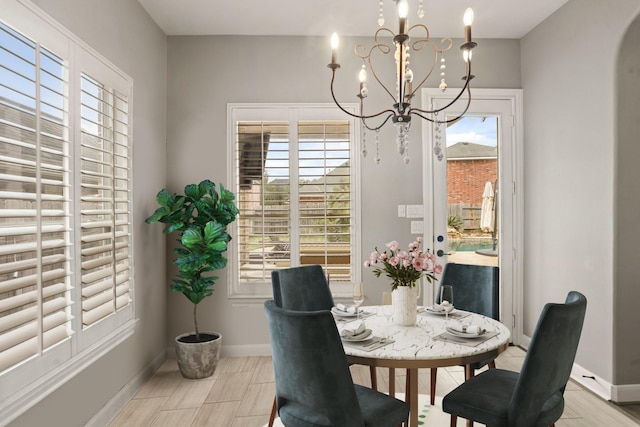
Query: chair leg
432	390
274	409
468	372
392	382
492	364
374	377
454	420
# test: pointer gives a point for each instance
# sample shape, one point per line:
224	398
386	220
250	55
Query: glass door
471	202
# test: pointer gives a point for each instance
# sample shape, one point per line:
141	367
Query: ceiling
493	18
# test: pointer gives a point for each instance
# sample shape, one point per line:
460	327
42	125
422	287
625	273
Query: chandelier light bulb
362	76
468	17
403	9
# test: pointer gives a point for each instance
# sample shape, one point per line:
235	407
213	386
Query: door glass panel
472	185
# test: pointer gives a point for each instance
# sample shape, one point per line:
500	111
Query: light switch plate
402	211
417	227
415	211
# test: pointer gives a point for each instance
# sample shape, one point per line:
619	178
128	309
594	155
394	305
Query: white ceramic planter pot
405	305
198	359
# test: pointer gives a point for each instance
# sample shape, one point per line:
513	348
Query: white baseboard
628	393
117	402
591	382
235	350
246	350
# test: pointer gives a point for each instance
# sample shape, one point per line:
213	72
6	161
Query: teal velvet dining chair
314	387
534	397
304	288
476	288
301	288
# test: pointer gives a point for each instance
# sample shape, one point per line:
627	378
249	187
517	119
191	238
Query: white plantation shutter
105	213
324	196
34	199
66	263
295	185
263	197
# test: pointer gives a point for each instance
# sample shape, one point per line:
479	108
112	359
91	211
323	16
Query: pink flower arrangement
405	268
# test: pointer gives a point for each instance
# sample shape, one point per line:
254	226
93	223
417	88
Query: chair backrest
549	359
476	288
301	288
310	366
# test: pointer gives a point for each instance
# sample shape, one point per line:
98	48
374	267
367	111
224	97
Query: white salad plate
364	335
341	313
431	310
461	334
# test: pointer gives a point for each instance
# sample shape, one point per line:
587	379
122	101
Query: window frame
31	380
293	113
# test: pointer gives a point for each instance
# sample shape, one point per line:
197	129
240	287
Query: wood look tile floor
240	394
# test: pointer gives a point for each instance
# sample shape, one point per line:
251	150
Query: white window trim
26	384
274	112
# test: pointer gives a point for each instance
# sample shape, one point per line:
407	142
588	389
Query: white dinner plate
462	334
341	313
365	335
430	310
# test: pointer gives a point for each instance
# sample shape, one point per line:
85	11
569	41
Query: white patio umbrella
486	213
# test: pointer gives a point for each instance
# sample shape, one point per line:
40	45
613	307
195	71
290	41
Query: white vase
405	305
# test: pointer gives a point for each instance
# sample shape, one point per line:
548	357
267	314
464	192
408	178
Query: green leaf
192	237
163	197
212	231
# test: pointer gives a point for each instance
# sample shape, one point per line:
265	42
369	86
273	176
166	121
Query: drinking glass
358	296
446	294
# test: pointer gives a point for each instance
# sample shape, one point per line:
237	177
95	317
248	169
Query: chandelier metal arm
358	116
377	128
466	88
416	112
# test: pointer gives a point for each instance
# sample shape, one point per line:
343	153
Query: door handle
441	253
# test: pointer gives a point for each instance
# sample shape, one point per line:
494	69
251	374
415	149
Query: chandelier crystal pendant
402	46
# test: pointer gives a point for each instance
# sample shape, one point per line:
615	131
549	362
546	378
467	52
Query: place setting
357	335
464	333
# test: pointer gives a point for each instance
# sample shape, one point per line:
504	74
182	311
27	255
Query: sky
473	129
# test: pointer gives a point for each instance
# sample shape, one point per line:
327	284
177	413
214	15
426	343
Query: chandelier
401	45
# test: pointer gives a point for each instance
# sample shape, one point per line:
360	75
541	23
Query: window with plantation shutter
66	291
295	187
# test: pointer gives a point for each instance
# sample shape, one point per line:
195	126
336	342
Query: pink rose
403	255
419	239
437	268
367	264
406	262
394	261
374	256
418	264
393	246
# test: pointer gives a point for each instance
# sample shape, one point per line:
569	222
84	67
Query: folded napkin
466	328
353	331
342	307
436	308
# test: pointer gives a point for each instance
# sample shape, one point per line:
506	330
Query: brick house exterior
469	167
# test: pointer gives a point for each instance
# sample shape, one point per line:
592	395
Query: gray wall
576	203
206	73
122	31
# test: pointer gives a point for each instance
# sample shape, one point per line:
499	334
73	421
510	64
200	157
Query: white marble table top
415	346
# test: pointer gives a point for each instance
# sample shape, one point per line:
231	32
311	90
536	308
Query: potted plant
200	217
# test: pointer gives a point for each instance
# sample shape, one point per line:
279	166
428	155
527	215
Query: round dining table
428	344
